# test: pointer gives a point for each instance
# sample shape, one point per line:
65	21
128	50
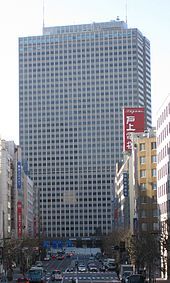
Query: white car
82	268
47	258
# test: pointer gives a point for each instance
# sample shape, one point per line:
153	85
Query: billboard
133	122
19	218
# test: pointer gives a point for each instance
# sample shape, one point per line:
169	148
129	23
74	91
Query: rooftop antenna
126	10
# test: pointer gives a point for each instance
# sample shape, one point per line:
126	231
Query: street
64	266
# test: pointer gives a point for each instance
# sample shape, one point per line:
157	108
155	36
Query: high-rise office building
73	83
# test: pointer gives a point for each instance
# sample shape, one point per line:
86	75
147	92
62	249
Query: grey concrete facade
73	83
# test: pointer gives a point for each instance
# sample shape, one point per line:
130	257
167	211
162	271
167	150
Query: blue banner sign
69	243
46	244
54	244
19	177
125	184
60	244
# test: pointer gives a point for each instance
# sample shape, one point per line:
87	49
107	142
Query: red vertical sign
133	122
19	218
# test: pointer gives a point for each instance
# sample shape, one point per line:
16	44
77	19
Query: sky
20	18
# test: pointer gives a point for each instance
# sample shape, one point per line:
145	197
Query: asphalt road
83	277
87	277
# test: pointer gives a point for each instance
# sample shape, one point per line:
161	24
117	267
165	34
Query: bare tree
144	251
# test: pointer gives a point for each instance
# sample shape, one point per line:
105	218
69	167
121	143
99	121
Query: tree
144	251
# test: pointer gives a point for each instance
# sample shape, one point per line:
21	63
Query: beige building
139	197
144	191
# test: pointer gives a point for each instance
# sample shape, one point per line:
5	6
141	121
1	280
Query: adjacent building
163	181
16	194
73	83
6	174
144	217
136	186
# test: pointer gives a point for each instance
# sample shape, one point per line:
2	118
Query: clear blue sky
25	18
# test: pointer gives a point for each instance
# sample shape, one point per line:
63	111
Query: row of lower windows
73	223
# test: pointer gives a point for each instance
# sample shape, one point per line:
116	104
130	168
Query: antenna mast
126	10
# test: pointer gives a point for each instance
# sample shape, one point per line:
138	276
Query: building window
155	213
153	145
144	226
154	186
153	158
142	173
155	226
142	159
143	199
142	146
143	213
153	172
143	186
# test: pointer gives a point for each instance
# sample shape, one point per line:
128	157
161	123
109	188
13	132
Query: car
47	258
116	277
70	269
110	267
22	280
48	276
39	263
98	256
14	265
36	274
92	258
102	268
105	262
92	268
136	278
82	268
69	254
125	276
60	256
56	275
53	256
